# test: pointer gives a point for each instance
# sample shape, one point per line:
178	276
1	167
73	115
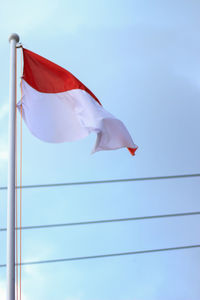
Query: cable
16	195
20	215
106	221
105	181
104	255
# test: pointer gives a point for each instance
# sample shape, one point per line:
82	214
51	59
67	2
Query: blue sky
141	59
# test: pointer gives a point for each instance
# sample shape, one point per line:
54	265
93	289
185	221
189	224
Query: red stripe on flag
132	150
47	77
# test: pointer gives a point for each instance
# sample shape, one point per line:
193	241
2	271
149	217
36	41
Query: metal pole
13	39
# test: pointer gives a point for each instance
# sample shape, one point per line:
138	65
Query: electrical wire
105	181
106	221
105	255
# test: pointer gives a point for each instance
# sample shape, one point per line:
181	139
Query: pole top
14	36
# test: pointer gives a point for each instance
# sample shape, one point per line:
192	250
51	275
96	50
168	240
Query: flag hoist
57	108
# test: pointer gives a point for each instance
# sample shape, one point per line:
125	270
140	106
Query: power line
106	221
104	181
104	255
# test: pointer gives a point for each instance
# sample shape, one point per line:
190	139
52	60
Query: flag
57	107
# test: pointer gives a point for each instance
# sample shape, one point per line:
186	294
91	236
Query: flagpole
13	39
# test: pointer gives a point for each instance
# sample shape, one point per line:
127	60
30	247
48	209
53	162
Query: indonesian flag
57	107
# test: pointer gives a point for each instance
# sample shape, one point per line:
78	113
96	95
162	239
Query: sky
141	59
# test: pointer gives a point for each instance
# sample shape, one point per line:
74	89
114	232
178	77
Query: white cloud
33	273
3	144
3	150
3	291
3	110
3	155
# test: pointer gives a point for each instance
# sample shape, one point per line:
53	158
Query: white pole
13	39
